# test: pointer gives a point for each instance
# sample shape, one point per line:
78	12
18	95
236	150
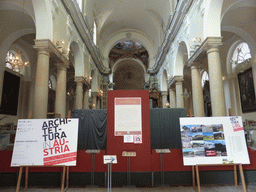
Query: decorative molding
209	42
173	29
84	32
175	79
83	80
69	27
56	56
54	8
201	7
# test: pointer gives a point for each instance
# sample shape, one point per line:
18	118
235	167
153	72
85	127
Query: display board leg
26	178
63	179
242	176
235	176
193	176
198	179
109	177
19	180
67	178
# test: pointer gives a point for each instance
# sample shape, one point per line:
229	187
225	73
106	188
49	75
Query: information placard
213	140
128	116
45	142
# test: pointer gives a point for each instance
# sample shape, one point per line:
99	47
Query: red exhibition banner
132	109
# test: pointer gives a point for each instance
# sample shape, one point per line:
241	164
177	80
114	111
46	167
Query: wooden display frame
26	176
195	168
64	172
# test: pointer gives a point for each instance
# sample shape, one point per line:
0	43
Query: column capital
61	66
195	65
164	93
209	43
175	79
79	79
47	45
96	94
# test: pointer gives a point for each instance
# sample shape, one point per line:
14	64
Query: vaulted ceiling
145	17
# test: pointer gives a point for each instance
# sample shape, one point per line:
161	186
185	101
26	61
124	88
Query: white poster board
213	140
45	142
128	116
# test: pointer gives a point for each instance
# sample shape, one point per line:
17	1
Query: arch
129	75
136	36
43	19
53	81
94	81
180	59
164	83
244	3
212	19
229	66
114	68
78	57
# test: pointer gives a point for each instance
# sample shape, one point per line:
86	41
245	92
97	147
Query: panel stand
128	155
161	152
162	168
235	175
93	152
109	177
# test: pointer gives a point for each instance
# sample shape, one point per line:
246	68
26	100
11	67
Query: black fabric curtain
165	128
92	132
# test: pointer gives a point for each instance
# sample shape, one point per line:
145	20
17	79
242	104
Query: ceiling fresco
128	49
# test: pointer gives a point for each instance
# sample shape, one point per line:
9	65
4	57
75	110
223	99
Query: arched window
80	3
52	83
14	61
94	33
241	54
205	77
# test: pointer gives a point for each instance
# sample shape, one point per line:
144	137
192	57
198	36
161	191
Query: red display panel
116	145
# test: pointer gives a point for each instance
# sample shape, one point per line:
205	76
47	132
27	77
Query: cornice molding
201	52
175	79
83	80
172	31
55	54
84	32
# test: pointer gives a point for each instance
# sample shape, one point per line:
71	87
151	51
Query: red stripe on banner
238	129
59	156
127	101
122	133
56	162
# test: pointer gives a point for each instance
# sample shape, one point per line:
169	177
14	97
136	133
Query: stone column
216	84
197	91
94	100
79	92
164	99
60	100
233	95
172	98
179	92
86	99
41	84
